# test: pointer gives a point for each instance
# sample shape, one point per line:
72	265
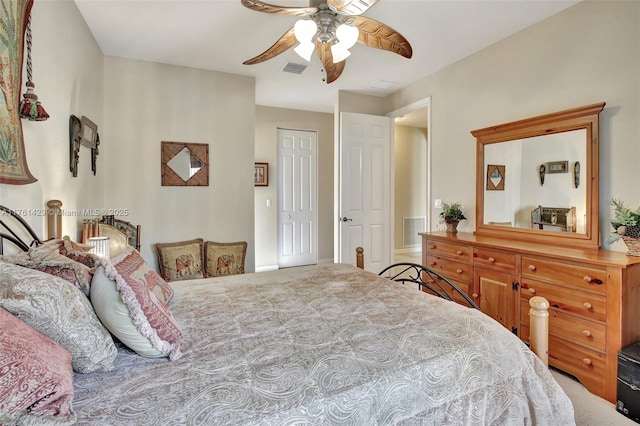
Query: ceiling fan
332	28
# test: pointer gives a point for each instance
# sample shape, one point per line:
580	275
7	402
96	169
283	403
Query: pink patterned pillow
132	266
150	316
36	380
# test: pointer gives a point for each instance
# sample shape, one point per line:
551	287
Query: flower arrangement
626	223
452	212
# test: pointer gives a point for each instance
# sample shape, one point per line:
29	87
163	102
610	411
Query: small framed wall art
261	174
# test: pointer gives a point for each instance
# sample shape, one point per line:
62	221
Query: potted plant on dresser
452	214
626	223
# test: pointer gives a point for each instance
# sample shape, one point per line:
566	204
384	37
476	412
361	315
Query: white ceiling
220	34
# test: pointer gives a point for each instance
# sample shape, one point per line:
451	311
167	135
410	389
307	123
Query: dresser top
598	256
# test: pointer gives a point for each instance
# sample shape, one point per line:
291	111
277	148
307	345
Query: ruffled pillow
134	314
60	311
36	384
132	266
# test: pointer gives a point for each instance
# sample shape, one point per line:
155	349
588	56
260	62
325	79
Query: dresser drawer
587	365
449	250
568	327
587	305
494	259
574	276
465	287
451	269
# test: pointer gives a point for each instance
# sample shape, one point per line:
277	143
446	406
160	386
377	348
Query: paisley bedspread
322	345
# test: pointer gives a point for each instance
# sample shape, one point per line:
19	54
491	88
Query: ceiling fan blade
278	10
332	70
378	35
351	7
285	42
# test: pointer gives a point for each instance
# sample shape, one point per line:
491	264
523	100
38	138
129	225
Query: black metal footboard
428	281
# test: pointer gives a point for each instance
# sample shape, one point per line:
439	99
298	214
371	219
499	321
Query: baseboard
267	268
415	249
276	267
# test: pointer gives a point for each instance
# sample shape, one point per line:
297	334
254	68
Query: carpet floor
590	410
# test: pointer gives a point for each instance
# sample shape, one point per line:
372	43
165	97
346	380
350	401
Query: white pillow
116	317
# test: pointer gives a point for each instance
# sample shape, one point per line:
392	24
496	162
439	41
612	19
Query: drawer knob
459	271
492	260
459	252
532	267
432	246
587	278
586	333
474	295
433	263
586	361
532	290
587	305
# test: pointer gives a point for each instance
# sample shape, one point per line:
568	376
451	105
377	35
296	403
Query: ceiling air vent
294	68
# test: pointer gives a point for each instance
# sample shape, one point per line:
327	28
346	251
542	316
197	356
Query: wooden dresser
594	296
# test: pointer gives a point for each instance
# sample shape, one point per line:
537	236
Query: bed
324	344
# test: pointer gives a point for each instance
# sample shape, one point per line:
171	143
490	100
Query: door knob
346	219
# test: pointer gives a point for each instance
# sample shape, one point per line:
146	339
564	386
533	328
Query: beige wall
586	54
67	72
268	120
146	103
136	105
410	177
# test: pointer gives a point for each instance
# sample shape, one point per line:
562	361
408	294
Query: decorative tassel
30	107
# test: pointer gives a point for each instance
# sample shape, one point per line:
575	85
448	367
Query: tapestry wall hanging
13	21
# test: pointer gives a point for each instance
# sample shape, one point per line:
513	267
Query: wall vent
294	68
410	228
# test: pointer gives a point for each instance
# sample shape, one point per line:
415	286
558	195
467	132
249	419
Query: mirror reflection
528	189
185	164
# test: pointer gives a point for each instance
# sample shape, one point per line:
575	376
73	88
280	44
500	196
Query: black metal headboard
14	228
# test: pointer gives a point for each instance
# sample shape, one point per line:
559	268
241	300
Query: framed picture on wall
261	174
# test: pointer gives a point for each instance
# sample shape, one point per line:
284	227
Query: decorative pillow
36	384
181	260
134	315
79	253
224	258
76	273
60	311
63	250
131	266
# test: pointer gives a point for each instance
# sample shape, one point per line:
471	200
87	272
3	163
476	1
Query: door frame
422	103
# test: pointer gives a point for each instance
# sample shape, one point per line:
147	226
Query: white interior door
297	198
365	189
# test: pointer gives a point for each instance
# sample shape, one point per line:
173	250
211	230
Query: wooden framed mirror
185	164
527	147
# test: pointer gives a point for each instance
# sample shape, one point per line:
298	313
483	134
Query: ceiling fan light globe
304	30
347	35
305	50
339	53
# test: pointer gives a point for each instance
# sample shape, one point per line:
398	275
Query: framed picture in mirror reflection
495	177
